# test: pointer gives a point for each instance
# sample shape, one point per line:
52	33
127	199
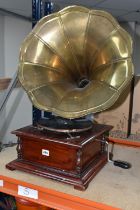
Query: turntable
74	63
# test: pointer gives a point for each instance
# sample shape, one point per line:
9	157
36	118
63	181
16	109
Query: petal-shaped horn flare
76	62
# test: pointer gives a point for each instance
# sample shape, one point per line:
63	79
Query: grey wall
1	45
2	72
18	111
134	29
137	49
15	32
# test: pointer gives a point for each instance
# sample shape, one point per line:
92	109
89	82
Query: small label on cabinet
45	152
1	183
27	192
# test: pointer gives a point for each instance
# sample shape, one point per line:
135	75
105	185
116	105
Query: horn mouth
75	69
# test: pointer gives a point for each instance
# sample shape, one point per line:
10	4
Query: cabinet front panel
49	154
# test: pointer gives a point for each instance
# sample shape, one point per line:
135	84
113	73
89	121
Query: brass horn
76	62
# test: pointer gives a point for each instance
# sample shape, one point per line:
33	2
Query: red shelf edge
52	198
129	143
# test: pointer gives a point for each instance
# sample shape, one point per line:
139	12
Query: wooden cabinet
52	194
73	160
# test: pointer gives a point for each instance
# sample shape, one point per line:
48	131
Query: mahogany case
72	159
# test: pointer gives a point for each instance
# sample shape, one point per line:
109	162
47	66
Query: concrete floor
112	185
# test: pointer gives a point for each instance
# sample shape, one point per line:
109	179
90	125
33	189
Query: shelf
51	198
108	187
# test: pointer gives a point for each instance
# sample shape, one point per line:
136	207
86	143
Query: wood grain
4	82
73	161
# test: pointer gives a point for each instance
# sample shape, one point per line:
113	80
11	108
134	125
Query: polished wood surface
74	160
55	194
4	82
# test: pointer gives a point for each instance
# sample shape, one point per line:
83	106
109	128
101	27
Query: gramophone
74	63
